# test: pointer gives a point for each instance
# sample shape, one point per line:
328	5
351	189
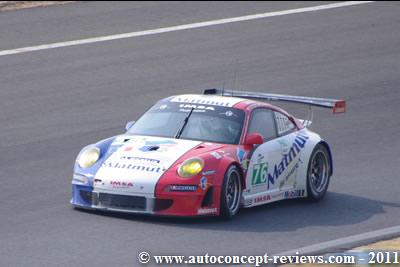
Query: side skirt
268	197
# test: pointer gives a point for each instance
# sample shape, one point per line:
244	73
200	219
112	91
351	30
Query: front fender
104	146
215	165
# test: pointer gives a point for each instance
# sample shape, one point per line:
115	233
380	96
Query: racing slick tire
318	173
231	193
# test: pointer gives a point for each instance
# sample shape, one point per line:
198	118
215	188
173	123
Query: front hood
137	163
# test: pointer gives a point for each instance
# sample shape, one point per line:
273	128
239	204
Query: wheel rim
232	191
319	172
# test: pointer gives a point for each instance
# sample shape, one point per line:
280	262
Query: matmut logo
278	169
121	184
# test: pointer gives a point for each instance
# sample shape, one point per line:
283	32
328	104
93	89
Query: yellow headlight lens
89	157
191	167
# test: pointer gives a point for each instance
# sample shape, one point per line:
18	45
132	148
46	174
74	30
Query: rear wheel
318	173
231	192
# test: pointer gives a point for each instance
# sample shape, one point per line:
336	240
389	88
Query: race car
206	154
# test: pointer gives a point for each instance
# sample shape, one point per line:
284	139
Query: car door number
259	175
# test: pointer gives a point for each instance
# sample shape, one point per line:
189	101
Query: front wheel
231	192
318	173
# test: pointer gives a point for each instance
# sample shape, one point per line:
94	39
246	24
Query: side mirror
254	139
129	124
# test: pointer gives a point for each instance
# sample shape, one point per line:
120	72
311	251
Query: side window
262	121
283	124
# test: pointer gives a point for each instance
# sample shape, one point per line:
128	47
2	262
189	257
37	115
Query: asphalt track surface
53	102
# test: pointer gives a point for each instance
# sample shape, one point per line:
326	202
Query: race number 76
259	175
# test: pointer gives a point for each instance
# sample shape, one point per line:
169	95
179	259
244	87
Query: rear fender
313	140
324	143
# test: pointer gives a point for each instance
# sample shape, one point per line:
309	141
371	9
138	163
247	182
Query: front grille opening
162	204
121	201
208	198
86	196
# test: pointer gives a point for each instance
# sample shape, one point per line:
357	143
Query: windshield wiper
185	121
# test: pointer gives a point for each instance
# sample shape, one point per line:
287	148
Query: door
273	164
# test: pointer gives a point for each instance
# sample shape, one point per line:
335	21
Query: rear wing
337	106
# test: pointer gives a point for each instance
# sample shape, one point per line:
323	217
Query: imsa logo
121	184
196	107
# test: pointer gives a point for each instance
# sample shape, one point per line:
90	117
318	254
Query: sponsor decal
265	198
278	169
183	188
160	142
216	155
291	172
240	154
142	160
245	164
260	171
228	113
294	193
154	145
131	166
203	183
201	100
259	175
196	107
243	158
223	152
207	211
210	172
262	198
121	184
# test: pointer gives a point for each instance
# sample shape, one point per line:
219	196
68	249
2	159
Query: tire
231	193
318	173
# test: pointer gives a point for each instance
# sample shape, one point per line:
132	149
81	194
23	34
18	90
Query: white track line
178	27
346	242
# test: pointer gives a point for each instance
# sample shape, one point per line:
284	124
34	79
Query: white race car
209	154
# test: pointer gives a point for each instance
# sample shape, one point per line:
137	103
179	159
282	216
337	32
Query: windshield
206	123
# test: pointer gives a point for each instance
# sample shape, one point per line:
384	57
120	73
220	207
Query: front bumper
186	204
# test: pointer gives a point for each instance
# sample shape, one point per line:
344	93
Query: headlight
190	167
89	157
